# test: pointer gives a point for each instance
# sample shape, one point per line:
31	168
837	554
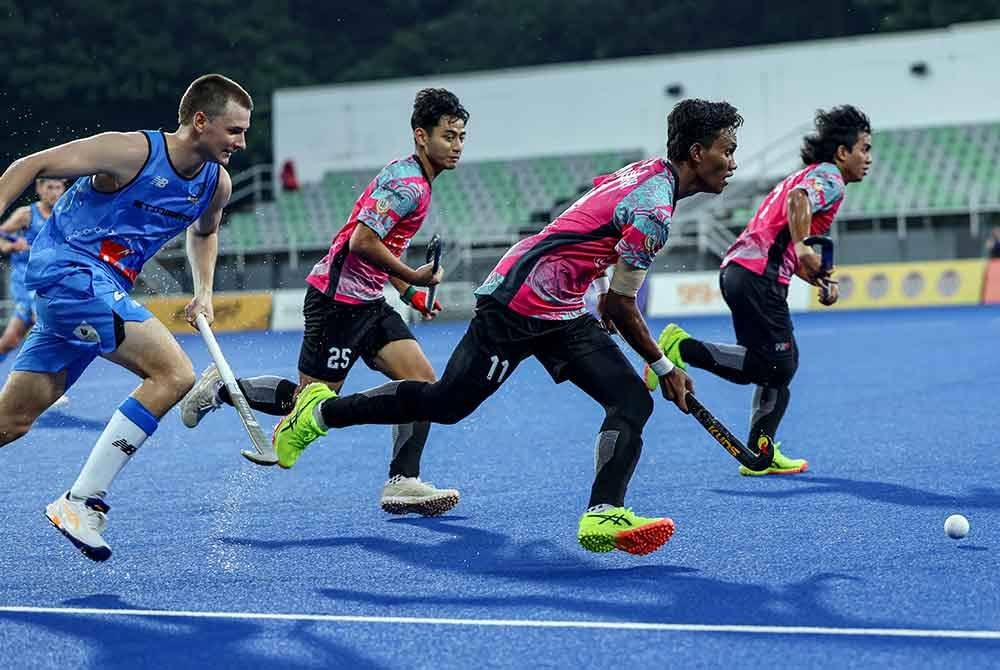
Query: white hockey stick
263	453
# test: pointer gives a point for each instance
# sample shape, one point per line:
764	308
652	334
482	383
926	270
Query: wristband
661	367
407	295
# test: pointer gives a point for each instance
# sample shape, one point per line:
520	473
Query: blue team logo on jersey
198	190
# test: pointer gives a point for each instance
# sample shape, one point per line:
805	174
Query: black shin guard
619	445
607	376
405	402
732	362
617	454
390	403
769	405
270	395
408	441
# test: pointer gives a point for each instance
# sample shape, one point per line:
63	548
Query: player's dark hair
209	93
698	122
840	126
431	104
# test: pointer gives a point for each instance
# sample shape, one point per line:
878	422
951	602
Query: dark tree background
70	68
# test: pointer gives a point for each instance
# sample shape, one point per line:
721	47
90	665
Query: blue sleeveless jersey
116	233
19	260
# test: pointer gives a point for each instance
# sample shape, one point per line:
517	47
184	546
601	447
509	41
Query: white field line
517	623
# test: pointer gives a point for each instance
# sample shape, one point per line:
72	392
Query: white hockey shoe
82	522
405	495
202	398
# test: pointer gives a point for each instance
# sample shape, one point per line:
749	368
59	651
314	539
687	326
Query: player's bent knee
14	427
450	408
421	375
783	371
179	381
452	415
634	404
186	382
186	378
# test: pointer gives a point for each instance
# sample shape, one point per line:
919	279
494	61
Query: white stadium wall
622	104
697	293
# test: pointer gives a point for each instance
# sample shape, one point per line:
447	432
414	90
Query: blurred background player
16	235
992	244
135	192
532	304
346	315
758	267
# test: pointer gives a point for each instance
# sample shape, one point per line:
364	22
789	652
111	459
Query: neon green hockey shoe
670	344
781	465
605	528
297	430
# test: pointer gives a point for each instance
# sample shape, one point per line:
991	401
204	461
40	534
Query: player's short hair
840	126
431	104
209	93
696	121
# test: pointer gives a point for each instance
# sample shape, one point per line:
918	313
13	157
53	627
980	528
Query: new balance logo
126	448
87	332
159	182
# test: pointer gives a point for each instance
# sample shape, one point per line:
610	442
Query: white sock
115	447
217	393
597	509
318	415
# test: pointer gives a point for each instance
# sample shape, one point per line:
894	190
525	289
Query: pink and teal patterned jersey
394	205
765	245
626	215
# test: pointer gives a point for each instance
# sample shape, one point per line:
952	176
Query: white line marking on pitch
516	623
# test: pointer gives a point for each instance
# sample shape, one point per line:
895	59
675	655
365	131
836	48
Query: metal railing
255	182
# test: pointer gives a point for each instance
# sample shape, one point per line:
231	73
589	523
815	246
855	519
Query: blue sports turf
896	411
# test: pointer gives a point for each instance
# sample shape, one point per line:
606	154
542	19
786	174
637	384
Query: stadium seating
929	170
484	201
916	171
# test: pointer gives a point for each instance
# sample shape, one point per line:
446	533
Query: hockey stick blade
754	460
263	453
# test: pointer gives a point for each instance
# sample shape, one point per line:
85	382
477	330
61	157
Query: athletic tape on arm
627	279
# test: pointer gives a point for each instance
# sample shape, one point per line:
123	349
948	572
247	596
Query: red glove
419	302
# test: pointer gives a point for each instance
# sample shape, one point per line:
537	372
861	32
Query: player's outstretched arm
366	243
120	155
15	222
398	284
203	250
19	220
810	266
620	307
